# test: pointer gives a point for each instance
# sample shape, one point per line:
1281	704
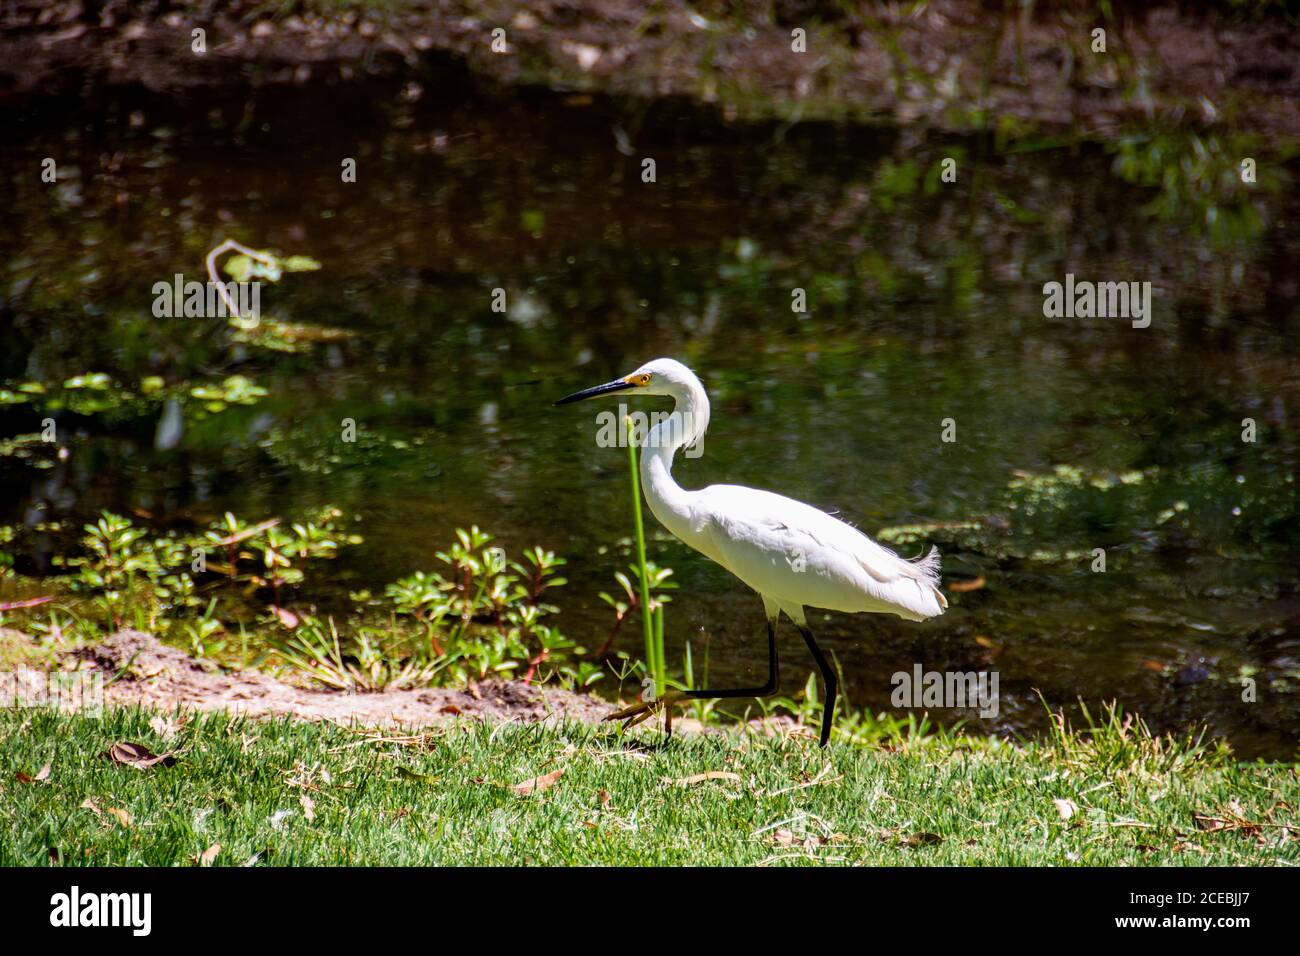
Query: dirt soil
145	672
163	677
954	63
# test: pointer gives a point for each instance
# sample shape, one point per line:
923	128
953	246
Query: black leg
767	690
828	677
636	713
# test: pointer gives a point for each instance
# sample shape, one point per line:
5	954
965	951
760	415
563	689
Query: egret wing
793	551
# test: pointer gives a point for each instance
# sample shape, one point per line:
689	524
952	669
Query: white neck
669	502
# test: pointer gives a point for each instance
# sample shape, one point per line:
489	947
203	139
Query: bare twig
230	245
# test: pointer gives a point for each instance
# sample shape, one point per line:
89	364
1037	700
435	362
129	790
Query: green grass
448	797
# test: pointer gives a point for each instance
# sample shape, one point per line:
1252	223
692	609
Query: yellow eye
642	379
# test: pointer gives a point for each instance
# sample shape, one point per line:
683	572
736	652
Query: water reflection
924	303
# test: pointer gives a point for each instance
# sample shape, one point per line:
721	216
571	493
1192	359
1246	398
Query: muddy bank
954	65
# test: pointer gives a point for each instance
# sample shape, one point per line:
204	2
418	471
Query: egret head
687	422
663	376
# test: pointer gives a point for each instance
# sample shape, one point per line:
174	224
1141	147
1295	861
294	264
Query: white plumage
791	553
798	555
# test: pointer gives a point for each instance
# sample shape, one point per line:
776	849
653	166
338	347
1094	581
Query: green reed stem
654	649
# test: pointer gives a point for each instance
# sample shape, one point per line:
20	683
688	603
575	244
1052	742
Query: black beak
618	385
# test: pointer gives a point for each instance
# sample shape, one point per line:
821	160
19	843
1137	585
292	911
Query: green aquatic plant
157	579
485	615
233	390
31	448
657	579
24	393
114	561
7	535
114	403
1063	514
1208	183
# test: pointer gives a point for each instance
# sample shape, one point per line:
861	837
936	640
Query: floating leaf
94	380
241	268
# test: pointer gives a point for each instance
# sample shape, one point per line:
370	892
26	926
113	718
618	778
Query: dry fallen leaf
709	775
122	816
207	856
1234	821
1204	821
406	774
138	756
971	584
1066	808
921	839
603	797
308	807
537	784
808	841
43	773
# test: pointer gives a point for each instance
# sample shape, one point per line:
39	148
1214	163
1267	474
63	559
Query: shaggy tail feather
928	566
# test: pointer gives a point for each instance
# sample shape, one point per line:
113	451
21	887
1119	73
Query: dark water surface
925	304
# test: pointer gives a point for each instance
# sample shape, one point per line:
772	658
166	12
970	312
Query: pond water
924	304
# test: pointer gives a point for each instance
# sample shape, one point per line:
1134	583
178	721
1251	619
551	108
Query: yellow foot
634	714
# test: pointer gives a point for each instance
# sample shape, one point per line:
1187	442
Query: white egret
791	553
